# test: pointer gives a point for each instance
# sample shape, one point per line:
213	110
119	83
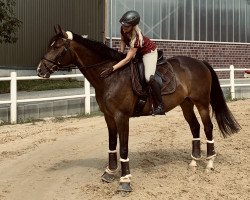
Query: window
198	20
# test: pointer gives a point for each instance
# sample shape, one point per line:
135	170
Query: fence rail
13	93
232	84
14	101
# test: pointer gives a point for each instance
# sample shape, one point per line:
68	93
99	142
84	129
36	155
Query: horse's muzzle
42	71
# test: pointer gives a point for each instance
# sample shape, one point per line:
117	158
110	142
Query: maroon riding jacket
147	45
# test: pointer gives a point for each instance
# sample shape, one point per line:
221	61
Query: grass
40	85
2	123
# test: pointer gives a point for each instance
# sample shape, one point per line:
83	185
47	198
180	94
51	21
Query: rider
132	37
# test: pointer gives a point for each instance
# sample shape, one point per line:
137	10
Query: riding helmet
130	18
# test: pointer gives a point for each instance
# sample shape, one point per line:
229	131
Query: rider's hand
107	72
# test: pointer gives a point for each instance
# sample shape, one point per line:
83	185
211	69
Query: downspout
110	24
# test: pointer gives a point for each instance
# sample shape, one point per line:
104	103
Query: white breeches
150	60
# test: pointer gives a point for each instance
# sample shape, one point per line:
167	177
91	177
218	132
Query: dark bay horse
197	84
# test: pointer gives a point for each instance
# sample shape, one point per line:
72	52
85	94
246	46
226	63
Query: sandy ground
64	160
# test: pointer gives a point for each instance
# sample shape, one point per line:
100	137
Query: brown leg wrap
196	149
112	161
210	150
125	168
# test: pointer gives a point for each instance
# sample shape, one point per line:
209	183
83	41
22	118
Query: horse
196	85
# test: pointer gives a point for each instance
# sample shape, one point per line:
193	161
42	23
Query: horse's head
58	54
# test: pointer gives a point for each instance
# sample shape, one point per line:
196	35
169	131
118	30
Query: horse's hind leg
208	129
109	174
188	112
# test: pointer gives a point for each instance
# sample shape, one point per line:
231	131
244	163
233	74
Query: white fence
232	83
14	101
13	93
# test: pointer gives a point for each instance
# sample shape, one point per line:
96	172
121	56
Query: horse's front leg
122	123
111	170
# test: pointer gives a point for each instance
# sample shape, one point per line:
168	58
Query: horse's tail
225	119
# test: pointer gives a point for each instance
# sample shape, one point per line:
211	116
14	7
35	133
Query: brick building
214	30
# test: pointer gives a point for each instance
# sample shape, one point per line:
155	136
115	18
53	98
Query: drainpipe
110	24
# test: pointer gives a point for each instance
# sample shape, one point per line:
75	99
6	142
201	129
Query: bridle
57	66
58	59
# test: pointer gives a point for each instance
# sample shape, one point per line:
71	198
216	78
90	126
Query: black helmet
130	18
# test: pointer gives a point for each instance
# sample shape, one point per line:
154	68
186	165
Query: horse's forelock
70	35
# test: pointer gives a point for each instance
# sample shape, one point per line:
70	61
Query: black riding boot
156	92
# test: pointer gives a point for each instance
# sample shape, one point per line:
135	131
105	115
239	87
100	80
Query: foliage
9	24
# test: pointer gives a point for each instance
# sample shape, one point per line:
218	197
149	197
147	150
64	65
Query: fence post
87	97
232	82
13	98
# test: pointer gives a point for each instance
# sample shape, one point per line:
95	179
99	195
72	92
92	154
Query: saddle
164	76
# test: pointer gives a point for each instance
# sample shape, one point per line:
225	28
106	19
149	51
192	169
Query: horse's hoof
192	168
208	170
109	178
124	187
193	165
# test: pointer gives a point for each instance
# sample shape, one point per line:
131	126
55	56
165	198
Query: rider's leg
156	91
150	60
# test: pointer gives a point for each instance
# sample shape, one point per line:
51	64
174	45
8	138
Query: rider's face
127	29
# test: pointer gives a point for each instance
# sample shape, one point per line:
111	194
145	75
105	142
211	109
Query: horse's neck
93	74
88	64
86	57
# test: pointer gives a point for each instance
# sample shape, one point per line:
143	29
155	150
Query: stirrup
158	111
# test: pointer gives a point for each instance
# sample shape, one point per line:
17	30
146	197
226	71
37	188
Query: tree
9	24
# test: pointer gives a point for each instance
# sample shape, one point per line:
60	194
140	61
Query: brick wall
219	55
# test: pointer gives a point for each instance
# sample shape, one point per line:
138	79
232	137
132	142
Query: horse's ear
57	29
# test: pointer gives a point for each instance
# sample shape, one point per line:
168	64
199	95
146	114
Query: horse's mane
99	47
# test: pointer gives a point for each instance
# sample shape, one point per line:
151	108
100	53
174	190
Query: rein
95	65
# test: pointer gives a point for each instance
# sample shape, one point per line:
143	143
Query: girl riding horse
139	44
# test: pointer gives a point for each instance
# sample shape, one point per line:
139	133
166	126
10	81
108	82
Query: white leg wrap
126	179
112	151
124	160
210	157
195	158
111	172
196	139
211	142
